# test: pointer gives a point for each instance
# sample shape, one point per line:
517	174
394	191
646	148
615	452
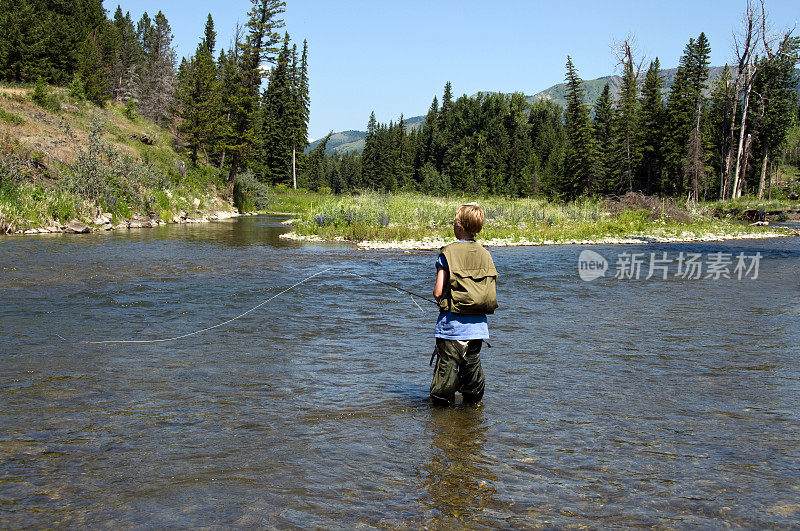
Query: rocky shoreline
104	222
430	243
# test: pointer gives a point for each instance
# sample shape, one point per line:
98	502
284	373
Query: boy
465	290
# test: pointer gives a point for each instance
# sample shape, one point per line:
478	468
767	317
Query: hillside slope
69	159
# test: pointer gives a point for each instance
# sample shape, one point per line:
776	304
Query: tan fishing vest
473	277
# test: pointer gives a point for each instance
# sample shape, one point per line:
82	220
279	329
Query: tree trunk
232	174
730	108
735	193
745	159
697	163
294	167
769	180
763	179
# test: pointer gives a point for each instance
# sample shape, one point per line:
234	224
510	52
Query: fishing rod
393	286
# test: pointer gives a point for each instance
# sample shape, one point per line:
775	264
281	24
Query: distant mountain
342	142
594	87
347	141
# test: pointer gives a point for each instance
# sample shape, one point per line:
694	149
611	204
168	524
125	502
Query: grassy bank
400	217
68	159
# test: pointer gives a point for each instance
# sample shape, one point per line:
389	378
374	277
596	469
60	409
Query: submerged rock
77	227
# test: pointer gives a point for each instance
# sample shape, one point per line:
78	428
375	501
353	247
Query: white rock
103	219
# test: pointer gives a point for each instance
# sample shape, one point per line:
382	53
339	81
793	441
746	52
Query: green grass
26	206
407	216
733	208
11	118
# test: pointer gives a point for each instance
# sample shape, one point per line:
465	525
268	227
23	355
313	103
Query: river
616	402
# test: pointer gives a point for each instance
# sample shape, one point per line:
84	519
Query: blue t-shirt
461	326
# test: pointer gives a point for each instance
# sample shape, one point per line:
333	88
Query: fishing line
165	340
142	341
417	305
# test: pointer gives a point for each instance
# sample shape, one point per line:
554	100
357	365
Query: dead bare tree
746	44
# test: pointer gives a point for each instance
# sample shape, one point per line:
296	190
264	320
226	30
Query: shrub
40	92
250	194
130	110
11	118
101	172
42	96
658	208
76	89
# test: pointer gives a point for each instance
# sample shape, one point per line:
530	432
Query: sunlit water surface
667	403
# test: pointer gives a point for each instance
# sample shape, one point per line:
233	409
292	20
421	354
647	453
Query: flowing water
610	403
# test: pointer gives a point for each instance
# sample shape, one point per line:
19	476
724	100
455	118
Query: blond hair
470	218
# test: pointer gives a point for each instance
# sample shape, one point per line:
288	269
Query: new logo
591	265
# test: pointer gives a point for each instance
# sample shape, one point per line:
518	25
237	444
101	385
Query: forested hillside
215	101
709	134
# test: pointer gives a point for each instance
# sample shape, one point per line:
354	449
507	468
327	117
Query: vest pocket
473	295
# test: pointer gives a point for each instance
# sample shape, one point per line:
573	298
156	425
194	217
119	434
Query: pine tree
315	177
548	138
44	39
371	170
628	150
651	120
274	133
257	48
300	111
604	118
718	115
403	156
430	130
92	71
684	113
157	78
516	159
695	161
581	173
198	95
19	41
231	91
126	58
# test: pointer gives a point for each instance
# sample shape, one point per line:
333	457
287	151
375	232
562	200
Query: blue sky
394	57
